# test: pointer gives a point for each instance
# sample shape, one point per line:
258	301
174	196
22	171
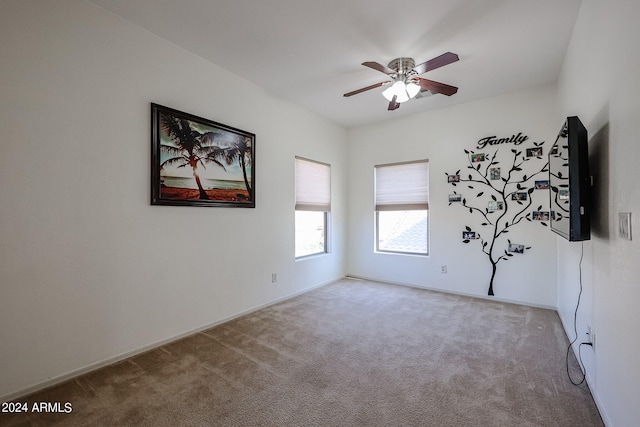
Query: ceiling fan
405	83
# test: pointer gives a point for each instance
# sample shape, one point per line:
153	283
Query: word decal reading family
494	140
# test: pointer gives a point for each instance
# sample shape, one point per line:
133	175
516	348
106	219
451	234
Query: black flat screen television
570	182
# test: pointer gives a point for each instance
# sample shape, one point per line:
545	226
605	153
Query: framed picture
519	196
540	216
453	178
494	174
495	205
468	235
542	185
455	198
475	158
534	152
516	248
198	162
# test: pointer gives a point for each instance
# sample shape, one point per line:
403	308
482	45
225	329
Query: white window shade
313	186
402	186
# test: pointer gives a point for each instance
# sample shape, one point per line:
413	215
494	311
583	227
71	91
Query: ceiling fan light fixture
402	91
388	93
412	89
399	90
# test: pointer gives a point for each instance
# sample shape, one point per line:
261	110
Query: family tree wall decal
502	196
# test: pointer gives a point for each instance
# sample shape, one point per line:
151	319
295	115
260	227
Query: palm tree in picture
190	148
240	151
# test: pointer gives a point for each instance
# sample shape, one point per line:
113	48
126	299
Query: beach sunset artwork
199	162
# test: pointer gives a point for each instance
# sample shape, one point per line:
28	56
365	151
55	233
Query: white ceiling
309	52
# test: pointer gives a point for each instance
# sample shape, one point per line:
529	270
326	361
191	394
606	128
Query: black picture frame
199	162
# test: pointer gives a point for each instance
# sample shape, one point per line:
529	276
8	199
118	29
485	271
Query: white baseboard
58	379
446	291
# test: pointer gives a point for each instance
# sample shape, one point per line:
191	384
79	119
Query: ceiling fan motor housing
402	65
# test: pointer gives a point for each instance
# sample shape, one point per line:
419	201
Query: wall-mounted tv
570	182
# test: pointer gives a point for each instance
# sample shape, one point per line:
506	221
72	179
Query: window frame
326	249
310	208
407	207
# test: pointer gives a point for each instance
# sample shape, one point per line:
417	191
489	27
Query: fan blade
437	62
364	89
379	67
437	87
393	105
423	94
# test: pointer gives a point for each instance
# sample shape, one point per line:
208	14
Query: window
402	206
313	204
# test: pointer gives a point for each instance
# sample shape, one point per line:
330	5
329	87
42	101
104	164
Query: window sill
311	256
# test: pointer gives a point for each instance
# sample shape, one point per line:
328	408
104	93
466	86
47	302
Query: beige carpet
353	353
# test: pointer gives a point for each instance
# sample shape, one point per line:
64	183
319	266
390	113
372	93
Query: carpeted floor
352	353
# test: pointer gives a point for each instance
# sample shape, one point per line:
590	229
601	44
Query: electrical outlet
443	269
591	337
274	277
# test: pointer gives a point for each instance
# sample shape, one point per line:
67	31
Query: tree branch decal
501	199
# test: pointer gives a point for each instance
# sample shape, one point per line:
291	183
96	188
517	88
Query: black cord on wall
575	329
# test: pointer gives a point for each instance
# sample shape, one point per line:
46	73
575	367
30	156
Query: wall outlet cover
624	225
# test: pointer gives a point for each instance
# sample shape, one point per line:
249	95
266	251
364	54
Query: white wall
599	83
442	136
90	271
